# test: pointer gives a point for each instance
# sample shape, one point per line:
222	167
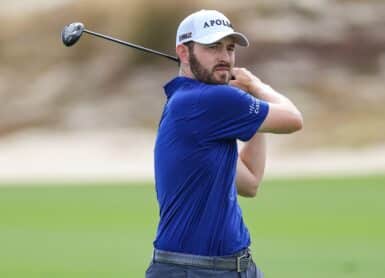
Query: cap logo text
185	36
218	22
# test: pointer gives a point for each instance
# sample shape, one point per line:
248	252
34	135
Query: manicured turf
300	228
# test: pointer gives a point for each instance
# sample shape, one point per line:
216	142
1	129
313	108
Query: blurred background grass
329	227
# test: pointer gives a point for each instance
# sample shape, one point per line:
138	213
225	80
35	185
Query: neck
185	71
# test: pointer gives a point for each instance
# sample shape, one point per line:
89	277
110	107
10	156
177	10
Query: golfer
198	172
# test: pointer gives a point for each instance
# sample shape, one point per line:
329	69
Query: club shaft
131	45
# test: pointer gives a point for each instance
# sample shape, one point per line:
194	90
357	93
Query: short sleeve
230	113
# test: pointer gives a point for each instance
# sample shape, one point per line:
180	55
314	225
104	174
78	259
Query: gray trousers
162	270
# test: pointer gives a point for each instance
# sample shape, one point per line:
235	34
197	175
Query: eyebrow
220	43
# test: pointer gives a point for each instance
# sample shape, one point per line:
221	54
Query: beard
206	75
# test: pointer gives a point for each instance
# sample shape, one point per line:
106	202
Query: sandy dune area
128	155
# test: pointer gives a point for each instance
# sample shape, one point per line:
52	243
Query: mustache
222	65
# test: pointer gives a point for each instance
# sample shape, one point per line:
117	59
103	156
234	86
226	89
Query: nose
224	55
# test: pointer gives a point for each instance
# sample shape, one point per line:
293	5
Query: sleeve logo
254	107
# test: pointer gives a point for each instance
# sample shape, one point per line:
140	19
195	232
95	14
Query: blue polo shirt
195	166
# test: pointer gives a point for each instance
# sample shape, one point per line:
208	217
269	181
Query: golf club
72	33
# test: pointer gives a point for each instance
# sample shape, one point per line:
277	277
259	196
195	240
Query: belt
239	262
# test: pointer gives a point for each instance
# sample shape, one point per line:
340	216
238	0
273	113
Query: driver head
71	33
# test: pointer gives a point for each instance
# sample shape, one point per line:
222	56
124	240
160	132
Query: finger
237	70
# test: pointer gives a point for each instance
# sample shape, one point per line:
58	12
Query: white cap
206	27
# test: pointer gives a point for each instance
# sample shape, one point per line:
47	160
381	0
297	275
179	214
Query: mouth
222	68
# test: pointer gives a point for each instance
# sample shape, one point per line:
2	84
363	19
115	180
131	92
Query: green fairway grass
313	227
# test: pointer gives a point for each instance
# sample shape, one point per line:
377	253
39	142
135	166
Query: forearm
283	117
267	93
251	165
253	154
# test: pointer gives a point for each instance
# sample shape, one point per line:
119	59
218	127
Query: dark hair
190	46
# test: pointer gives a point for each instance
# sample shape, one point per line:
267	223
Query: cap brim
239	38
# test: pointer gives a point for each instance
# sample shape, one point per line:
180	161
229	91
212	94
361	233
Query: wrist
258	88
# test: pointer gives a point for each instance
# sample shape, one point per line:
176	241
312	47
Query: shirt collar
177	82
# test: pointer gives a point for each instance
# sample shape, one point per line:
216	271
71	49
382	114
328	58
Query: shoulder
221	93
222	90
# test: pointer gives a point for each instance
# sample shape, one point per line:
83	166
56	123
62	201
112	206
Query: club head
71	33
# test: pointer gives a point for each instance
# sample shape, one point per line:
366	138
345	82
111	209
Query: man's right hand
246	81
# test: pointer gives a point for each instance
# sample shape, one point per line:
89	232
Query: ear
183	53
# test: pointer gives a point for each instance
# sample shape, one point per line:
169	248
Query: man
198	172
